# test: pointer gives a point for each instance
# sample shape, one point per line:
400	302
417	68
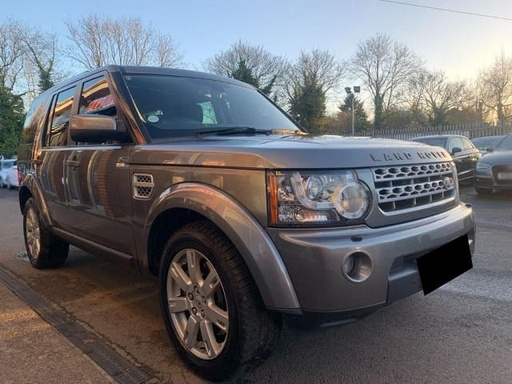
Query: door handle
73	163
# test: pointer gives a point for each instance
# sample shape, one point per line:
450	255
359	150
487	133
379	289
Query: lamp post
357	89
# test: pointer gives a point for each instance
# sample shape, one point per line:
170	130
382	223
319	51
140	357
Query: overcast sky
455	42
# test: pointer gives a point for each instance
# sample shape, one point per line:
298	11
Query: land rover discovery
244	218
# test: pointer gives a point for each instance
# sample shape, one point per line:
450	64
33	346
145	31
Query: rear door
50	161
98	179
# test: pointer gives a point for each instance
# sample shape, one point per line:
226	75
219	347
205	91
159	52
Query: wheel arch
189	202
28	189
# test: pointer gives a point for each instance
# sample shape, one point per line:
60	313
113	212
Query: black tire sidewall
53	251
35	260
227	361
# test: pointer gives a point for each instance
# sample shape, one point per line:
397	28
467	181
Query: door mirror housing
456	150
92	128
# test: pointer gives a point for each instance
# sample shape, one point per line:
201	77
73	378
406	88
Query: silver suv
244	218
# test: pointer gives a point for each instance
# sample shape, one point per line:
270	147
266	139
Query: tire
230	328
483	191
44	249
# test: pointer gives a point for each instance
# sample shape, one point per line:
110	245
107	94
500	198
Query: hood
288	151
497	157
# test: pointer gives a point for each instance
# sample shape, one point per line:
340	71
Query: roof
126	70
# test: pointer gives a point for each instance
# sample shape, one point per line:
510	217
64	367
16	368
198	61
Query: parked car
464	153
9	173
244	218
487	144
494	170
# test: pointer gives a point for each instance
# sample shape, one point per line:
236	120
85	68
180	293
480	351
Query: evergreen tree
244	73
11	121
307	106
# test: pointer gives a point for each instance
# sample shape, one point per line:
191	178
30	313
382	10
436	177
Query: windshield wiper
232	130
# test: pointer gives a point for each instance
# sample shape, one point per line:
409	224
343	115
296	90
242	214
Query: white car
9	174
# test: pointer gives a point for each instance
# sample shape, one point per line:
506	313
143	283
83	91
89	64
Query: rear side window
467	144
61	113
96	98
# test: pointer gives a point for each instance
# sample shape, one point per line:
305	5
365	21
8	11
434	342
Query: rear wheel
210	304
44	249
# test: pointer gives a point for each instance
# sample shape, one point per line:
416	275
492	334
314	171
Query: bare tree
264	69
11	54
432	96
319	66
40	60
97	41
384	67
495	89
308	83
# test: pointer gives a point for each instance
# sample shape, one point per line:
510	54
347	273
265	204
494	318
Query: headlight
317	198
481	165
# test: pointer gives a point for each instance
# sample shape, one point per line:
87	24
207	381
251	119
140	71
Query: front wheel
210	304
44	249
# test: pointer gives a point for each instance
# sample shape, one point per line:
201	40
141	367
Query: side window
455	142
61	113
96	98
467	144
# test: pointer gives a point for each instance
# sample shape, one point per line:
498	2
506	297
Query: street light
357	89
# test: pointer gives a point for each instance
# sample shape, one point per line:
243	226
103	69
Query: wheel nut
190	296
202	314
194	311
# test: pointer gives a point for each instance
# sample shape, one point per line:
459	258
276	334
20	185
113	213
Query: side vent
143	186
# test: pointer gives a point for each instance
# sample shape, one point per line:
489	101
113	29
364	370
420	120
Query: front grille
143	186
502	174
405	187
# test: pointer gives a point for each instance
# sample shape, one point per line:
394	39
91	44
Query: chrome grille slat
411	186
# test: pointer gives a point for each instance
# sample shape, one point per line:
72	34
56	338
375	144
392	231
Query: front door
97	178
99	195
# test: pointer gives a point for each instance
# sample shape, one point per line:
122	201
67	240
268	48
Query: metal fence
469	130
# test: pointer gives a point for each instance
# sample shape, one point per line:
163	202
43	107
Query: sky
457	43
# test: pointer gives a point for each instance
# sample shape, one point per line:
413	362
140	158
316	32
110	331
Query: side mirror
94	129
456	150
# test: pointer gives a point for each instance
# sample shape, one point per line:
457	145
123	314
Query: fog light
357	266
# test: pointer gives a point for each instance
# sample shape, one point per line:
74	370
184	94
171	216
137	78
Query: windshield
173	106
506	144
487	142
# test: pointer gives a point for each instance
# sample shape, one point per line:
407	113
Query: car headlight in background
482	166
317	198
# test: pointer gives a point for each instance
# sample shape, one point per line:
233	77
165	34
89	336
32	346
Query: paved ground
94	311
32	351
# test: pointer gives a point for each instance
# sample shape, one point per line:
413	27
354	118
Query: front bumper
315	258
